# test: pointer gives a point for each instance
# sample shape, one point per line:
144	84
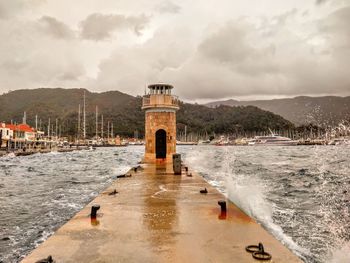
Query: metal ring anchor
261	255
252	248
258	252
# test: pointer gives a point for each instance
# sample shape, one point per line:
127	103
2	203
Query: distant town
22	139
96	126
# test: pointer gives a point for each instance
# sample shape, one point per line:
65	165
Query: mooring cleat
204	191
113	193
123	175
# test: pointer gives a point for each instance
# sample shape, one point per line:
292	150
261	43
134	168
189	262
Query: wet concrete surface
159	217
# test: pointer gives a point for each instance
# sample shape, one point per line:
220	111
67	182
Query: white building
5	133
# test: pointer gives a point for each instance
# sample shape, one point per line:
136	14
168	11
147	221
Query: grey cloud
10	8
320	2
230	45
237	61
241	58
218	55
55	28
100	26
283	18
227	45
71	73
337	23
331	2
31	58
130	69
168	7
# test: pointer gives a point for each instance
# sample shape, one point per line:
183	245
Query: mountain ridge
324	110
125	112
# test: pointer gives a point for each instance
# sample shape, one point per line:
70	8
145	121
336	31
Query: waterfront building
29	132
5	134
160	123
18	135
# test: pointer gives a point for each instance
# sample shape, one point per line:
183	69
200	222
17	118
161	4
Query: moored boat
273	139
186	143
339	141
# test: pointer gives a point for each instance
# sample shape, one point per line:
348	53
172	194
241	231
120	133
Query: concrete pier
156	216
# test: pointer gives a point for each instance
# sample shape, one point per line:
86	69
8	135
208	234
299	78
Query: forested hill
126	114
328	110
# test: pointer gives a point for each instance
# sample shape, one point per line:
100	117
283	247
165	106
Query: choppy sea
300	194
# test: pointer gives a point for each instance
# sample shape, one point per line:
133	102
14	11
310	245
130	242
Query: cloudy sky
208	49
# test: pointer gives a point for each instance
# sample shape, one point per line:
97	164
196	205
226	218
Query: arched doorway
161	144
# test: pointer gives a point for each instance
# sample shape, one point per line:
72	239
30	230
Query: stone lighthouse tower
160	126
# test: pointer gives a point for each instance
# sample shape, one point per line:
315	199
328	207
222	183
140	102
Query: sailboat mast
79	118
102	127
107	130
24	121
84	118
48	129
96	124
56	129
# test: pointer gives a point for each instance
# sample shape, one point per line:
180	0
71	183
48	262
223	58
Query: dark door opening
161	144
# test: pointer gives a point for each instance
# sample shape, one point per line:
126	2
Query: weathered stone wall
154	122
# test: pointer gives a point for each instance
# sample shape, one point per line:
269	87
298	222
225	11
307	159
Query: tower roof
160	86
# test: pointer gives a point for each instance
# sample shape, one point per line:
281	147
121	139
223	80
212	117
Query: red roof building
25	128
22	131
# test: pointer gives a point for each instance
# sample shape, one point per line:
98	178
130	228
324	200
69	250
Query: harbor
272	185
164	218
161	191
174	131
95	130
23	140
165	209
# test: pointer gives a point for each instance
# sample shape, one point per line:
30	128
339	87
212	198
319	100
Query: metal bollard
223	214
94	209
177	164
222	204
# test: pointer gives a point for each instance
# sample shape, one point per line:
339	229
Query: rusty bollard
93	215
94	209
222	204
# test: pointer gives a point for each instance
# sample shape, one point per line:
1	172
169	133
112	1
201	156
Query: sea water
299	194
